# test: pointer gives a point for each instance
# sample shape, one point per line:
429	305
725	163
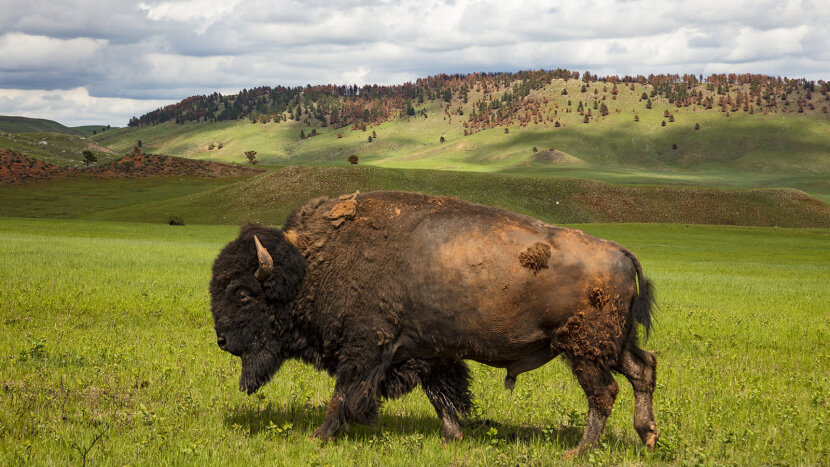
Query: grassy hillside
90	130
106	333
269	198
765	148
55	148
13	124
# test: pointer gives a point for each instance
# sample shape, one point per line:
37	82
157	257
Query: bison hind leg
601	390
447	386
640	367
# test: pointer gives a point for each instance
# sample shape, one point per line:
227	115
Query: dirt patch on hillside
549	156
19	168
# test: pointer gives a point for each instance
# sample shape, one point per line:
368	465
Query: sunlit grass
105	330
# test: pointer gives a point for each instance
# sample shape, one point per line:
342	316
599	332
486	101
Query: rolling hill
12	124
270	197
55	148
716	147
727	149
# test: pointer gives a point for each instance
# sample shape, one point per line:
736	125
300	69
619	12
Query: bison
390	290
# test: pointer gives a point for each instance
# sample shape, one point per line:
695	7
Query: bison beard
257	369
388	291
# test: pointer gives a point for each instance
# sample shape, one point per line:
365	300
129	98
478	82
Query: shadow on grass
305	419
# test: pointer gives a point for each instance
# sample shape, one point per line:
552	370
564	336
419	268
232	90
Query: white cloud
201	12
74	107
165	49
21	51
752	44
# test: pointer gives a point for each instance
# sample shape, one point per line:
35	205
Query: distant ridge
507	99
15	124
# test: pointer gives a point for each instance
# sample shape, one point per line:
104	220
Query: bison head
255	279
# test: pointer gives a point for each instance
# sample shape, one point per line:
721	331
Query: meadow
108	355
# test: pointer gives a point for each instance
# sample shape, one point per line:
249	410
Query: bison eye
243	295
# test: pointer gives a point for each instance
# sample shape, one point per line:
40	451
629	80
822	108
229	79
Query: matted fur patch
536	257
345	208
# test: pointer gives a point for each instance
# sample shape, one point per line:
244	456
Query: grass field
109	356
87	197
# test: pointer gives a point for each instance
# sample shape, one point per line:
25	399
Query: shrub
89	158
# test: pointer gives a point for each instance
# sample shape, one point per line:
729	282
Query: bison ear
266	264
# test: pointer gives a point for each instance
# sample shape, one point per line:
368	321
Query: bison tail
642	307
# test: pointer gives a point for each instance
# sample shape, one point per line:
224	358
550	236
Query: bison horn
266	264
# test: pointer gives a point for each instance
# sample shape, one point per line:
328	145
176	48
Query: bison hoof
510	383
651	439
322	435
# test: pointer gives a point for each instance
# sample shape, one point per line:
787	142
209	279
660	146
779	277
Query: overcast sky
102	61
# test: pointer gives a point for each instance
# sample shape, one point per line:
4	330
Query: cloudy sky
102	61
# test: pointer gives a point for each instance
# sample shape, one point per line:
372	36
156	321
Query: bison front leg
356	392
446	384
601	389
335	417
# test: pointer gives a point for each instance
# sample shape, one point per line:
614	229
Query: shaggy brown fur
388	290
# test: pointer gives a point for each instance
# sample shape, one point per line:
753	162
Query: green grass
90	130
270	197
105	330
87	197
35	125
55	148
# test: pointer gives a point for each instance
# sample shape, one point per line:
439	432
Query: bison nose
221	341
